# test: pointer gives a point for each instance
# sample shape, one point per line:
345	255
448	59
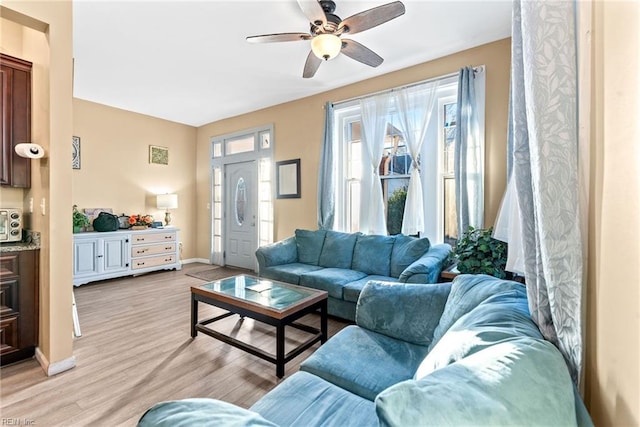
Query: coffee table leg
280	351
323	322
194	316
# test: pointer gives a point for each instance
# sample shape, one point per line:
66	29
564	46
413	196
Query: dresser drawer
153	238
9	265
8	334
9	290
152	261
145	250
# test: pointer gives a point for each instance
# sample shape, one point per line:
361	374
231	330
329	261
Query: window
436	167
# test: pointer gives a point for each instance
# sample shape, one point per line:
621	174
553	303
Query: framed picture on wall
75	147
158	155
288	179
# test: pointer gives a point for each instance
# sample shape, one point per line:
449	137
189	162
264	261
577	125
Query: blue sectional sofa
342	263
451	354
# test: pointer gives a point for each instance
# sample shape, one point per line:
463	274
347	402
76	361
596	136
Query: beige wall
115	170
613	315
46	40
298	127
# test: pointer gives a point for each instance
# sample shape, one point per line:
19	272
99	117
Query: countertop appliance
10	225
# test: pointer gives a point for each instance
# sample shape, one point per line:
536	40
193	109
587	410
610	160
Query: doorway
240	214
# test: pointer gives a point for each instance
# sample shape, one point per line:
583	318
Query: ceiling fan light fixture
326	46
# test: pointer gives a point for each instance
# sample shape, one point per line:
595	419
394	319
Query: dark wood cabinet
15	127
19	305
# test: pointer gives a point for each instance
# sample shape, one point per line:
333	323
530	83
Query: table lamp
167	201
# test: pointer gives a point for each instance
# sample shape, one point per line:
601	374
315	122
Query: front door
240	213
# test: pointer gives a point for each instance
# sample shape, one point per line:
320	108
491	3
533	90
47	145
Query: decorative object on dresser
80	220
19	305
140	222
15	125
167	201
99	256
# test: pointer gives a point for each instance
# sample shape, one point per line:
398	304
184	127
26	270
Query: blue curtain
543	144
468	162
326	174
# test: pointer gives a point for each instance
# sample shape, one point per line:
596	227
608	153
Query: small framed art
75	147
158	155
288	179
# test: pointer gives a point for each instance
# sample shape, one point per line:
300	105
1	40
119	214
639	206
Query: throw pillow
337	250
309	245
524	381
372	254
406	250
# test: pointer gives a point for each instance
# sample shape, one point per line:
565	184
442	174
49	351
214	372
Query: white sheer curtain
544	150
375	111
415	105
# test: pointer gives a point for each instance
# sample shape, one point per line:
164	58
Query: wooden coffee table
274	303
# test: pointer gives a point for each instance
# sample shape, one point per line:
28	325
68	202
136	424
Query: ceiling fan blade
311	65
280	37
360	53
372	17
313	11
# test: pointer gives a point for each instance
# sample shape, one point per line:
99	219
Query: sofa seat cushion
364	362
306	400
524	381
330	279
200	412
309	244
467	292
406	250
372	254
351	291
502	317
289	273
337	250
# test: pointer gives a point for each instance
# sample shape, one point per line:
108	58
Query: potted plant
479	253
80	220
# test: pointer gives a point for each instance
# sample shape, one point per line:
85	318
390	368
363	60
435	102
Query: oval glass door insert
240	200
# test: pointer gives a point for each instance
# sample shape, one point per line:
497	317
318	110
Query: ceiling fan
327	29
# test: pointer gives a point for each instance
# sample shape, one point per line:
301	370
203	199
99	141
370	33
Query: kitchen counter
30	242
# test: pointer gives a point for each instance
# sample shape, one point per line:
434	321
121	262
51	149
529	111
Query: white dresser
98	256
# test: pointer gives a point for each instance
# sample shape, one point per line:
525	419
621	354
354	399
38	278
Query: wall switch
31	205
43	206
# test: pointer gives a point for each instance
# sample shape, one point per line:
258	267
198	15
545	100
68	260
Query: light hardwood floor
136	350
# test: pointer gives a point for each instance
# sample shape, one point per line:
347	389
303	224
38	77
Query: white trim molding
54	368
192	260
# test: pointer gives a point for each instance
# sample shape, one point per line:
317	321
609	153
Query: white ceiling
189	62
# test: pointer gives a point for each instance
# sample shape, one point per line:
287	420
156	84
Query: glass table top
260	291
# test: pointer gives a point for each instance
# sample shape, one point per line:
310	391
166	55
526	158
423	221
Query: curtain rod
477	69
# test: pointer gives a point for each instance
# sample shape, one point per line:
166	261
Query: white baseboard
54	368
192	260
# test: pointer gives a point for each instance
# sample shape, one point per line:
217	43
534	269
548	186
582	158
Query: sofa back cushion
523	381
406	250
467	292
502	317
372	254
309	245
337	251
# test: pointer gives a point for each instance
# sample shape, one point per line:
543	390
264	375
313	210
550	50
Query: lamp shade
167	201
326	46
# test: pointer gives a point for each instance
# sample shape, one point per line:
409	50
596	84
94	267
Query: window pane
240	144
353	198
450	219
395	197
265	139
217	149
